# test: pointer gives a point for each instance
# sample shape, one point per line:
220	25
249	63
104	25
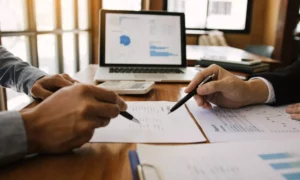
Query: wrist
29	117
258	91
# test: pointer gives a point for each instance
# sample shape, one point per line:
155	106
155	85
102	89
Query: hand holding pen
191	94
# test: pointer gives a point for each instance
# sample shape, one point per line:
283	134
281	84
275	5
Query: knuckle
115	111
83	111
83	88
214	66
34	88
114	96
57	76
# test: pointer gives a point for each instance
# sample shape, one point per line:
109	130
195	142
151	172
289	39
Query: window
228	15
122	4
53	35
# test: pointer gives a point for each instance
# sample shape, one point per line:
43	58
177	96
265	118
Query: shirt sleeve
17	74
271	97
13	140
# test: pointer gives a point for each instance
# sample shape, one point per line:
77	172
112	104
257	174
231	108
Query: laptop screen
143	39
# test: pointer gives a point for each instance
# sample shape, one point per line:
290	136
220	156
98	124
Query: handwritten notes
248	123
156	125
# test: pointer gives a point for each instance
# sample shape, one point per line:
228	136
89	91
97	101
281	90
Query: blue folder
134	162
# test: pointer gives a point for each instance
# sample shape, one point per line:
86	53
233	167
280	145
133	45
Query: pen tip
136	121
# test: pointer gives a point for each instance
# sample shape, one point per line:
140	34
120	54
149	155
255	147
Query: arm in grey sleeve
13	140
17	74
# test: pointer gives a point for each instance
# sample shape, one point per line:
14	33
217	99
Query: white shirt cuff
271	98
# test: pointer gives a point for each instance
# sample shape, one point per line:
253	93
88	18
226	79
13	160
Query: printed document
157	126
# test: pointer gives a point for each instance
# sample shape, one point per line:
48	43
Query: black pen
129	117
191	94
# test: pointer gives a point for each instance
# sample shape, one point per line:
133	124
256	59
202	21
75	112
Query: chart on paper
156	125
259	160
248	123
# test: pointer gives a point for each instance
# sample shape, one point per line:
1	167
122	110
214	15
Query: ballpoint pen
191	94
129	117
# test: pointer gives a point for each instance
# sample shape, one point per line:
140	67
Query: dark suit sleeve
286	83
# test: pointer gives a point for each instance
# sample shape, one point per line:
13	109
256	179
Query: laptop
143	45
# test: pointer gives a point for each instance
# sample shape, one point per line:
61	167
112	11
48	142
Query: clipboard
142	171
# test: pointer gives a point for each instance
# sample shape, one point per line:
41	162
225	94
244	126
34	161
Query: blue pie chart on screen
125	40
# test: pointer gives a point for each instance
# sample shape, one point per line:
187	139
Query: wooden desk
94	161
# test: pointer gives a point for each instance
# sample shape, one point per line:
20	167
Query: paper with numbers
157	126
248	123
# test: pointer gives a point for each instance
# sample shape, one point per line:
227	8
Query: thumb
213	87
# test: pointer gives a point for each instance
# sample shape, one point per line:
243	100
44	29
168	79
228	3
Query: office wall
263	26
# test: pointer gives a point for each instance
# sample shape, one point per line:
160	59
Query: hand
227	90
47	85
67	119
294	111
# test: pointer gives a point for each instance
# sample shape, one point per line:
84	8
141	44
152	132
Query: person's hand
294	111
67	119
47	85
226	90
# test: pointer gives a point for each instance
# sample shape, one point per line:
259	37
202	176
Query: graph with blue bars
282	161
160	51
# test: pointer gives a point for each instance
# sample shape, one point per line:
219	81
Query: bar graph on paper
287	164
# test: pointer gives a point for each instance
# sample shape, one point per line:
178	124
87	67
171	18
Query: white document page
259	160
248	123
156	125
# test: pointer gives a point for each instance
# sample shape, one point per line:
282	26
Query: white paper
156	125
265	160
248	123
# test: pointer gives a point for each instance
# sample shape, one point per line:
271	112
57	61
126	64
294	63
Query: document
248	123
157	126
259	160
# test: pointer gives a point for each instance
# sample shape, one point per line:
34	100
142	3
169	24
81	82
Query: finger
104	122
293	109
122	104
295	116
213	87
67	77
59	82
40	92
293	105
207	105
100	122
105	95
213	69
199	100
97	109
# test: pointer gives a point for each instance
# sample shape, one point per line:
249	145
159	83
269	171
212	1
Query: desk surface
93	160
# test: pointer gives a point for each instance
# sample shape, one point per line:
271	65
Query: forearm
13	141
258	91
16	74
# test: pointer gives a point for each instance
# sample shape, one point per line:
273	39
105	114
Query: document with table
273	160
248	123
156	125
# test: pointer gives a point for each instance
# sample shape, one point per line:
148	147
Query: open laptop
142	45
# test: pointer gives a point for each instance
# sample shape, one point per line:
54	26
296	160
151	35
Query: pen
129	117
191	94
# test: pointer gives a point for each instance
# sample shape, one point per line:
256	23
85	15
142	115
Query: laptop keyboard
144	70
